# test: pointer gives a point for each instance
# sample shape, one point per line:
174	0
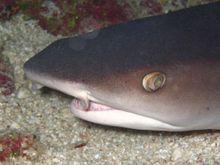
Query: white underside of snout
119	118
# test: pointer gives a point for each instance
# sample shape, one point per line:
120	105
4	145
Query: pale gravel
46	114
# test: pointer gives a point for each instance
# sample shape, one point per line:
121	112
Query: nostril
80	104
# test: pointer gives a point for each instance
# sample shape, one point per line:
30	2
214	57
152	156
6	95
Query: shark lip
87	105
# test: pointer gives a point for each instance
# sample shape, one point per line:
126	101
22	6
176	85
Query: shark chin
106	115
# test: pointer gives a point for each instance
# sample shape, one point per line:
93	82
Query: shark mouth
106	115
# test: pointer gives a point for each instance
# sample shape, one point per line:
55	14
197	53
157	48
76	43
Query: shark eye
153	81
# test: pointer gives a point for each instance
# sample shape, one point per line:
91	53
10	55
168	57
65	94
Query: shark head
144	74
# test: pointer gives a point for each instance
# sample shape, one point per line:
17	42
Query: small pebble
23	93
177	154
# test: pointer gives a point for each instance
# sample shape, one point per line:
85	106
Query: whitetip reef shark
157	73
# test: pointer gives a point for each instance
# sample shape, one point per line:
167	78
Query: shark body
104	71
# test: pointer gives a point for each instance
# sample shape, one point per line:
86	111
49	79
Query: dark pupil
157	82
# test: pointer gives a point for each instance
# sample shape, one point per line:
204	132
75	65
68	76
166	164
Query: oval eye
153	81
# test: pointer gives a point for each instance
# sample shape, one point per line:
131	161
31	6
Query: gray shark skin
103	70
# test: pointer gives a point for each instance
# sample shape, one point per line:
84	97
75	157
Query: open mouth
99	113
